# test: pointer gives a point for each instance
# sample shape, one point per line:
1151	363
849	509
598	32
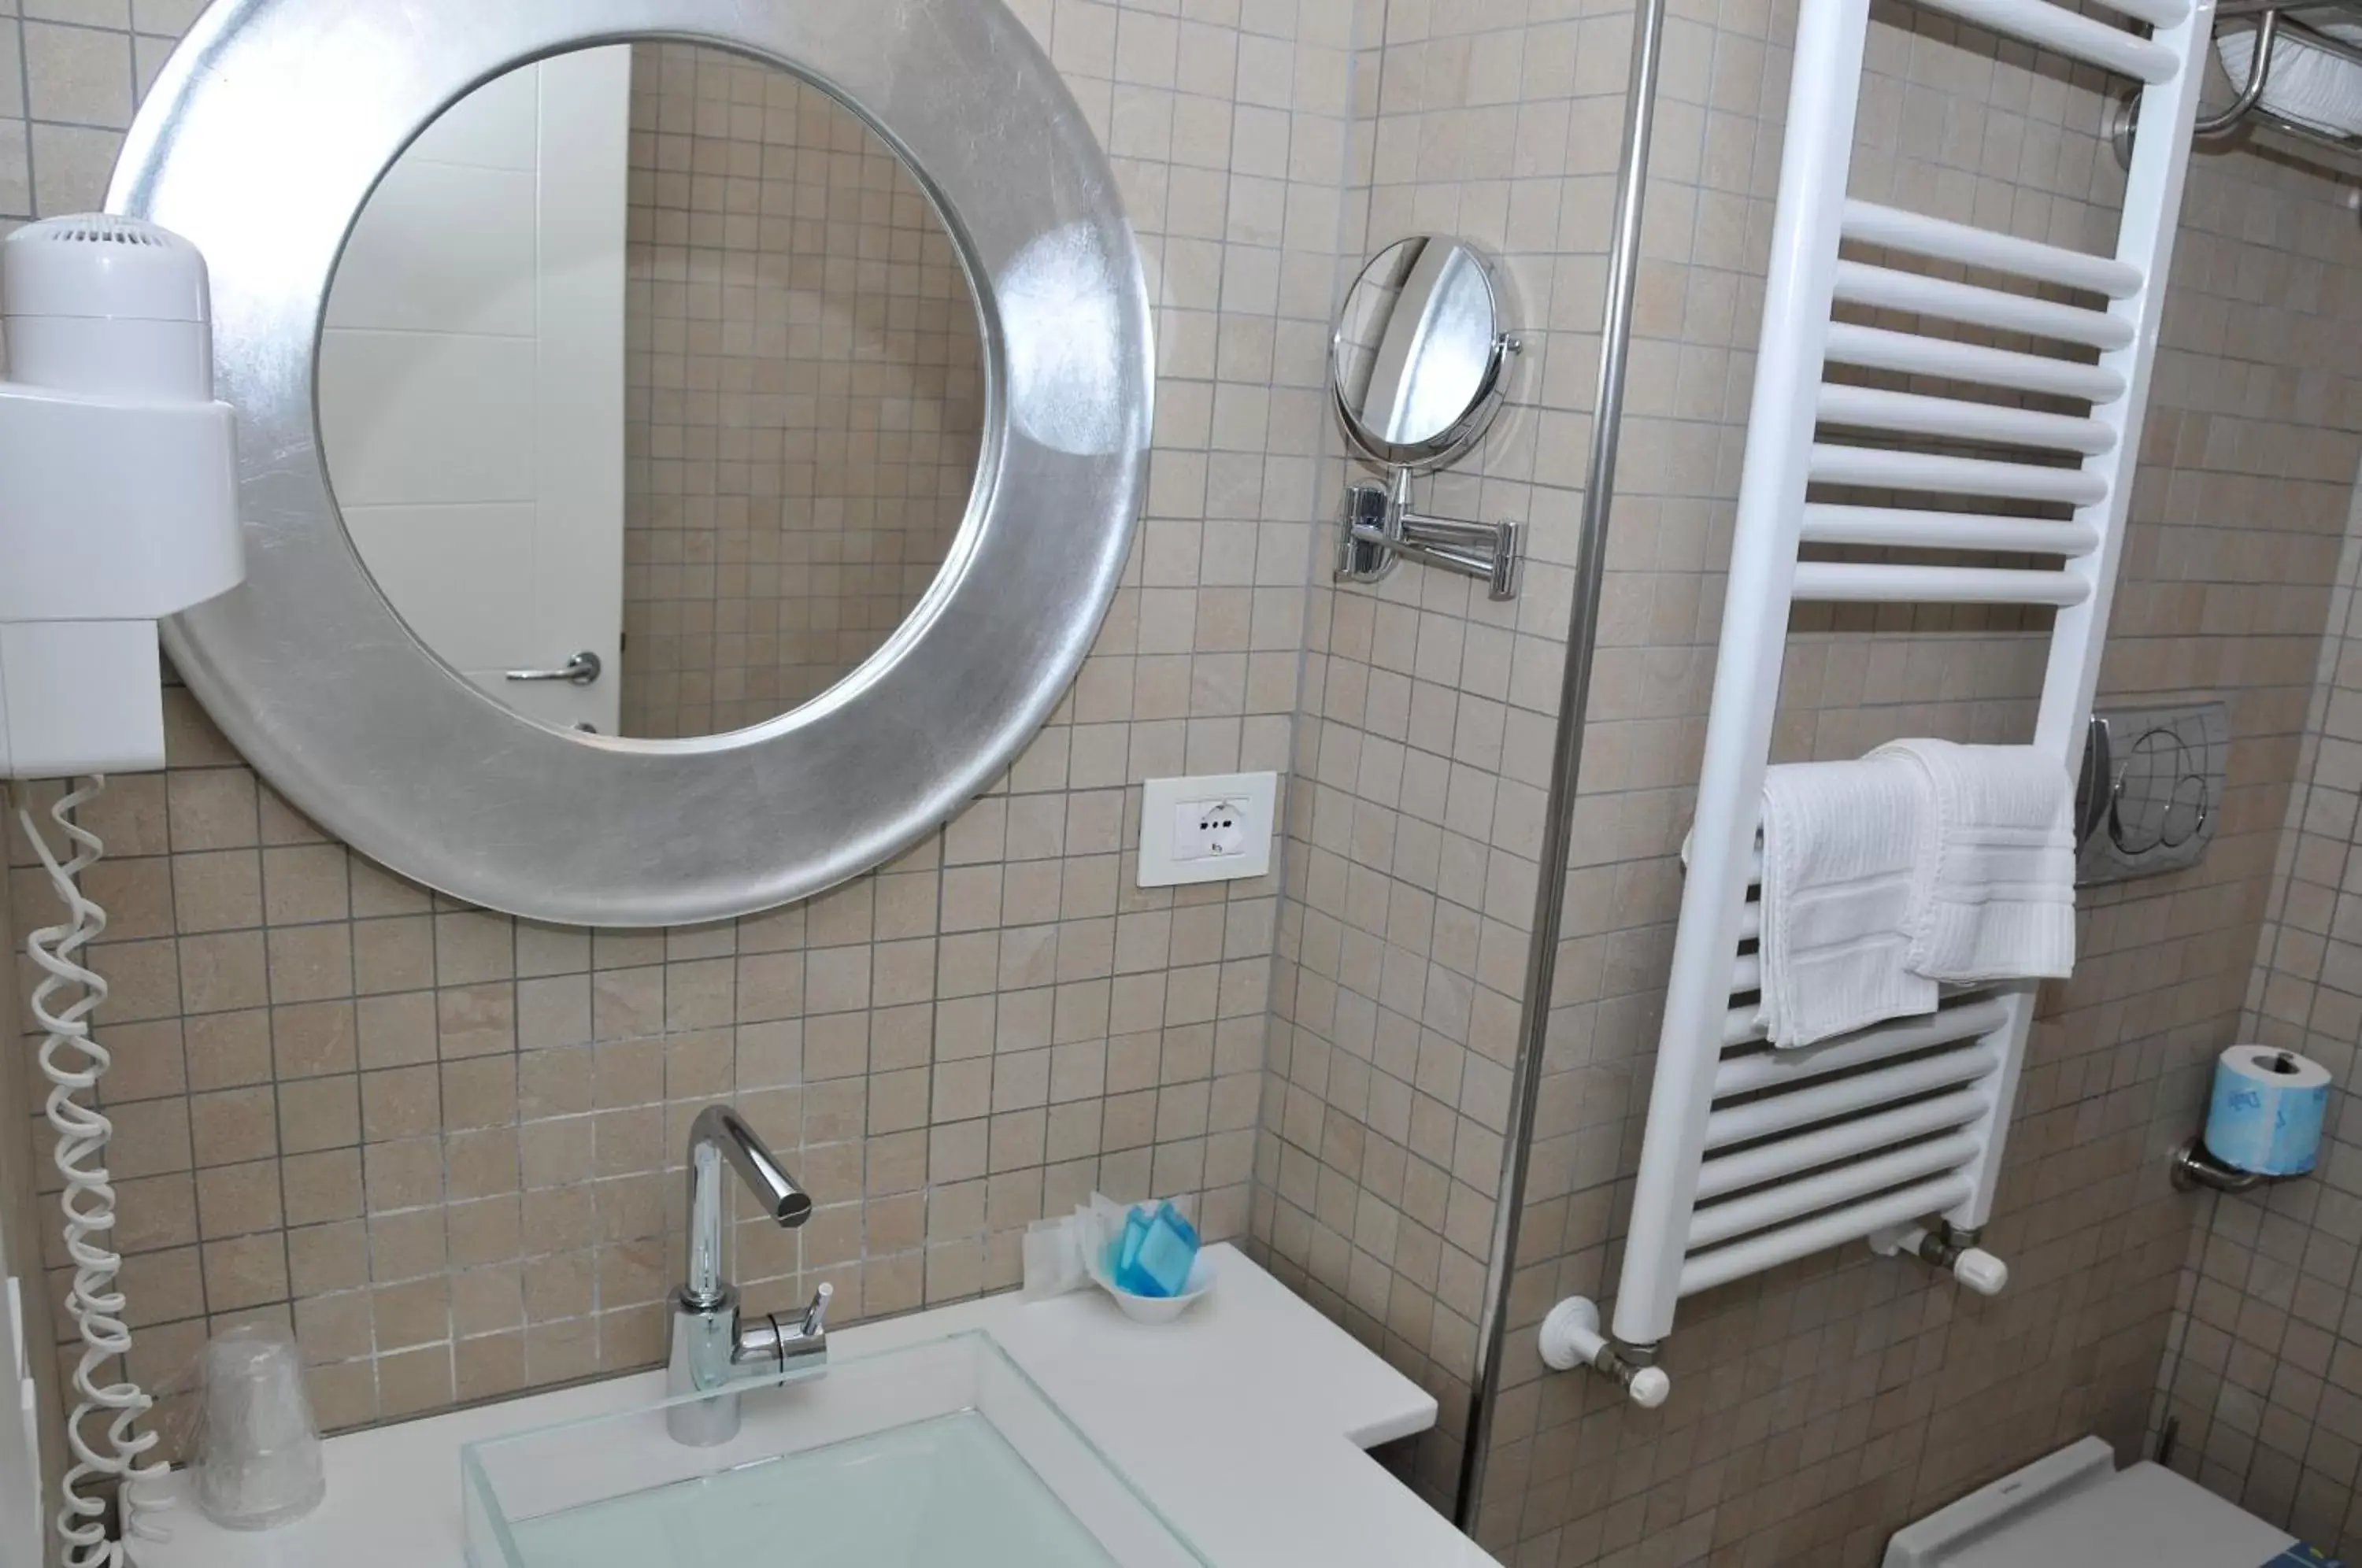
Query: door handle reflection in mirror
580	670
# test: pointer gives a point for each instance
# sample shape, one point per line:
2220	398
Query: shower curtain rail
1755	1157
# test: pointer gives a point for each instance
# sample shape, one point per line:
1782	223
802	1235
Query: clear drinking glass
253	1448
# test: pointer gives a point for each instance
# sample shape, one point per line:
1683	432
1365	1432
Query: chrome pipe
1566	756
2260	71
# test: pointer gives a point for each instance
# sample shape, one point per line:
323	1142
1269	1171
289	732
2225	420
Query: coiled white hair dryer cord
74	1062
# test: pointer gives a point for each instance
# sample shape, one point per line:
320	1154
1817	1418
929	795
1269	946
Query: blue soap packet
1127	1245
1154	1255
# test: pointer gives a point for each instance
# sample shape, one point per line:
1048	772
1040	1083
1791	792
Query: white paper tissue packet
1058	1252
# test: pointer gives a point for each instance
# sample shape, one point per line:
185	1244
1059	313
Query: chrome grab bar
580	670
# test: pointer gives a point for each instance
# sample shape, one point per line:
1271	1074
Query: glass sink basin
940	1454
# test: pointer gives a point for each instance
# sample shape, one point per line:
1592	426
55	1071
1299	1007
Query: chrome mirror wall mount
1381	528
1419	368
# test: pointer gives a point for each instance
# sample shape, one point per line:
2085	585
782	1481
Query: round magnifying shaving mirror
1419	367
1421	353
686	447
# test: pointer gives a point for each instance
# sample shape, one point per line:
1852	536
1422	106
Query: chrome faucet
711	1348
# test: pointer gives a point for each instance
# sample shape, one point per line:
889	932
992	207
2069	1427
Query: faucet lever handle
816	1315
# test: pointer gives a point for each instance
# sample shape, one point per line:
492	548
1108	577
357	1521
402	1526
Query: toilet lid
2146	1515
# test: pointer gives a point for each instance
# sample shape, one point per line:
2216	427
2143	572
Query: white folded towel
1839	844
1994	895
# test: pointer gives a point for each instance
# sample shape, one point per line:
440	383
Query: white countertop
1244	1422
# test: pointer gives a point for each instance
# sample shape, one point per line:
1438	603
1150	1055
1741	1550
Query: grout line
24	103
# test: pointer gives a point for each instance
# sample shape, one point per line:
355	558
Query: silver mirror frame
1460	438
261	141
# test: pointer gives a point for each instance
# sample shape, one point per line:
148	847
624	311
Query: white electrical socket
1213	829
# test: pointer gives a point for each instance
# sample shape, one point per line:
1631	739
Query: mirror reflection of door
657	354
471	382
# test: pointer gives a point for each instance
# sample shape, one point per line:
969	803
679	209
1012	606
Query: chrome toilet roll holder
2193	1164
2192	1167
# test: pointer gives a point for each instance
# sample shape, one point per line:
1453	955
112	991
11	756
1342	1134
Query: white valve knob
1981	1272
1977	1269
1649	1388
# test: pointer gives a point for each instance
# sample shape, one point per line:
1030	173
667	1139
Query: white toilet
2076	1510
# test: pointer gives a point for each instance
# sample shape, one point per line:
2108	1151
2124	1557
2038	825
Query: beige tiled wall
443	1145
1817	1408
440	1143
2263	1377
1429	713
804	392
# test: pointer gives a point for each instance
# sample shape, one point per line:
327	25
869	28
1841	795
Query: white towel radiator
1755	1157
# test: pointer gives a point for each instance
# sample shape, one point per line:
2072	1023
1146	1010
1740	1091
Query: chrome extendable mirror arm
1382	526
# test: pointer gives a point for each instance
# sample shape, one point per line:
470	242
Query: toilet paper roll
2267	1111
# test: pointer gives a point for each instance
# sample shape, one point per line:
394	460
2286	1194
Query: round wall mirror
651	390
685	448
1421	353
